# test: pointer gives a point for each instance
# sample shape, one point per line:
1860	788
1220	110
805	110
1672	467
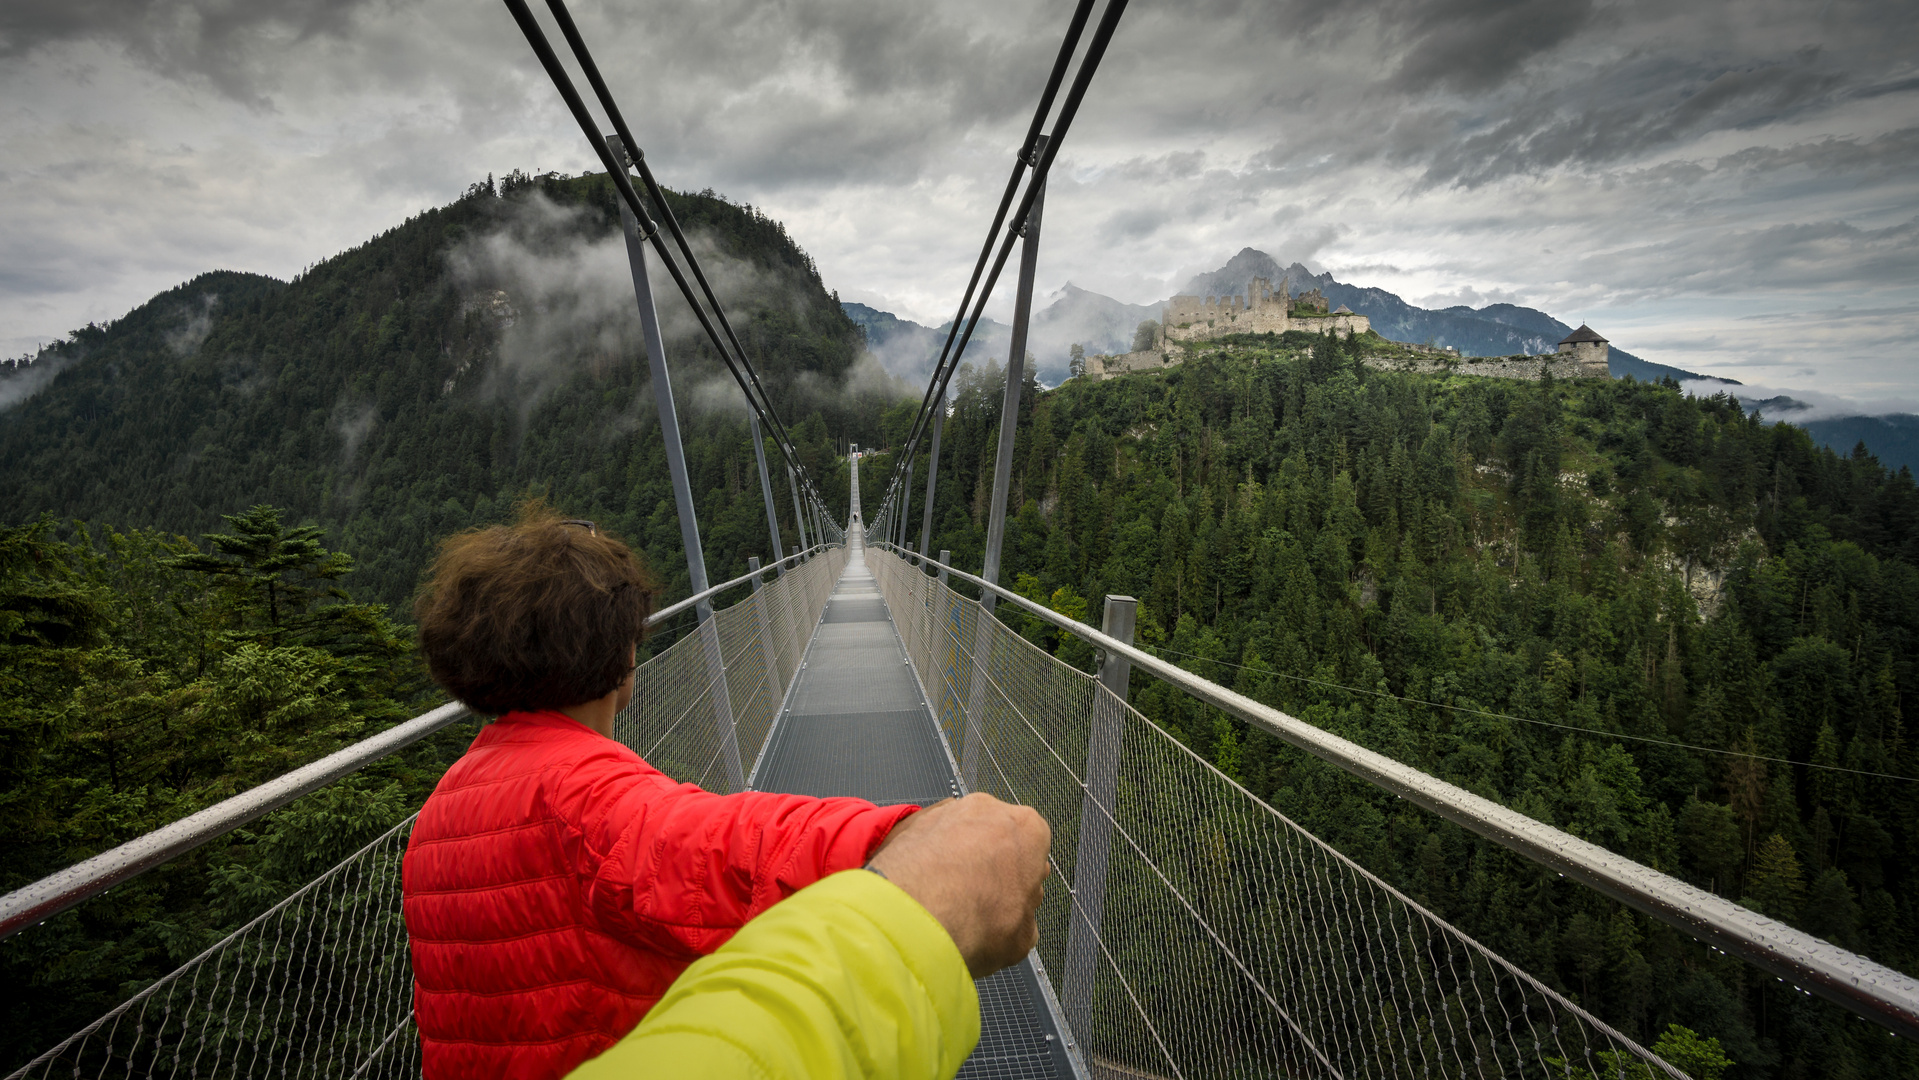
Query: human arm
863	974
850	977
681	869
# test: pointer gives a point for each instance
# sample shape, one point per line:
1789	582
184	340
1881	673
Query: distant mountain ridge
1893	438
1494	330
393	395
1104	325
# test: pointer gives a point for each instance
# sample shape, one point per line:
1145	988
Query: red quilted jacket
556	885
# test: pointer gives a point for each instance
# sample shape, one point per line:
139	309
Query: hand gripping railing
319	983
1874	991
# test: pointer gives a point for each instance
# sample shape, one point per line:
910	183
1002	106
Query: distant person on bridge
555	884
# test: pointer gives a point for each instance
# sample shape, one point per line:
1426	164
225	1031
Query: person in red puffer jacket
556	884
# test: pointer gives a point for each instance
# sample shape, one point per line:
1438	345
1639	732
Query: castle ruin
1583	354
1261	310
1587	351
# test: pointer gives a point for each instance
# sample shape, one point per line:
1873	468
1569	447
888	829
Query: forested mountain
427	379
1893	437
1650	619
328	432
908	349
1071	316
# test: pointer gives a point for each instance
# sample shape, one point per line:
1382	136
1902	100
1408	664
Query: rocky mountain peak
1231	279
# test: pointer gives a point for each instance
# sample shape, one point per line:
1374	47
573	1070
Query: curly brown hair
540	614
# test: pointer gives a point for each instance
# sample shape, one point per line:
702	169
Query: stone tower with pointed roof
1589	351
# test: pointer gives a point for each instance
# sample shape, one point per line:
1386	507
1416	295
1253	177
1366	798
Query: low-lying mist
553	287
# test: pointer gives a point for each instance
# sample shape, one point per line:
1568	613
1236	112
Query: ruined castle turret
1588	350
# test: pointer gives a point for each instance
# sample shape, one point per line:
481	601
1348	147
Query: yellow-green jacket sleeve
849	977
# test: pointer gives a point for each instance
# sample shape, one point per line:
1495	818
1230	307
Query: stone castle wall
1431	362
1560	365
1347	324
1591	353
1106	367
1262	310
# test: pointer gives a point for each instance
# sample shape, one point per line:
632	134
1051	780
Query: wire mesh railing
1189	929
684	722
320	985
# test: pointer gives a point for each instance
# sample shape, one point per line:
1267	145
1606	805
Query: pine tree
1776	887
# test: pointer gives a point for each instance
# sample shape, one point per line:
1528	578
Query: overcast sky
1729	187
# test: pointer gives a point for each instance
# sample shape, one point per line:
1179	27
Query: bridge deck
856	724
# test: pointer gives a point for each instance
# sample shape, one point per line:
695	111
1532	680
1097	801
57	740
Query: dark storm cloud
817	91
1803	257
1469	92
1472	45
222	41
814	90
1135	222
25	24
820	88
1466	91
1440	147
1894	153
1621	113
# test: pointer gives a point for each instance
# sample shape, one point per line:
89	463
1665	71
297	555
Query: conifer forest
1647	618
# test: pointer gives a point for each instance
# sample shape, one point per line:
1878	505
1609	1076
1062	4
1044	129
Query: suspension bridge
1188	929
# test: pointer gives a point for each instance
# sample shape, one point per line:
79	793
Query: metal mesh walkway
857	724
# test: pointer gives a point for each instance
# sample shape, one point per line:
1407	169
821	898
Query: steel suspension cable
616	170
1095	51
584	57
1020	163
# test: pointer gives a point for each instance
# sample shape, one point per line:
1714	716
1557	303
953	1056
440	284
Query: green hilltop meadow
1649	619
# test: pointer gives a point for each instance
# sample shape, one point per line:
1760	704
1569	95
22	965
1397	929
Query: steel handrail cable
1073	903
550	60
704	695
983	669
1179	748
680	606
1120	829
171	978
62	889
1596	732
1089	64
946	677
686	710
1857	983
353	941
